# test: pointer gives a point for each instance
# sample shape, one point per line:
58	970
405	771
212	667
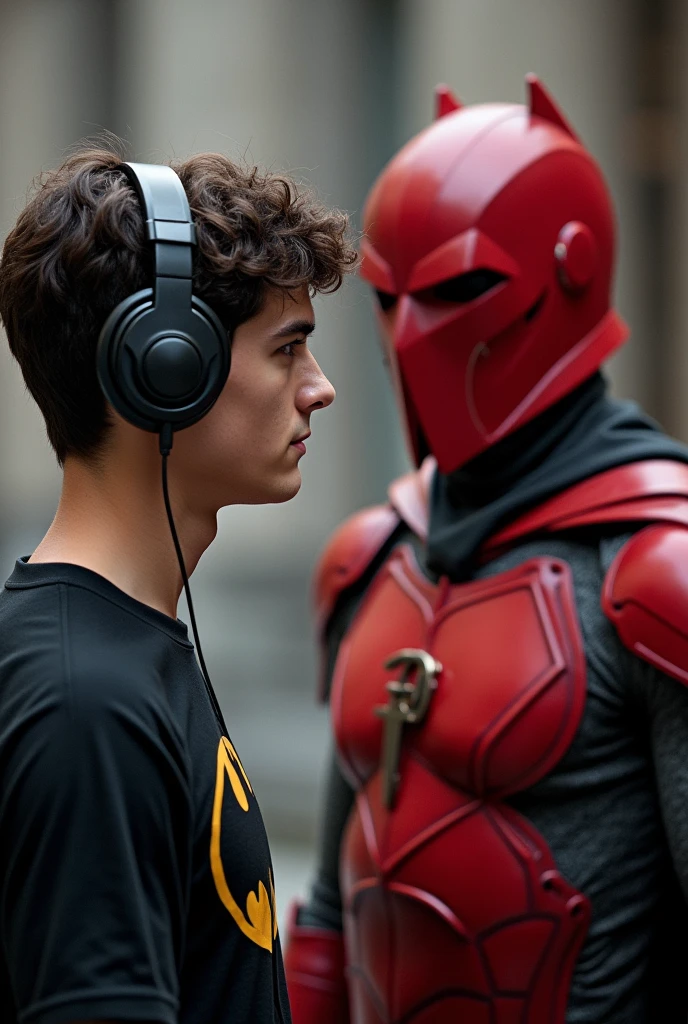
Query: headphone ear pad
109	345
141	346
222	335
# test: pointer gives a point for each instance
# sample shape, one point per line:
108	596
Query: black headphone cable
166	437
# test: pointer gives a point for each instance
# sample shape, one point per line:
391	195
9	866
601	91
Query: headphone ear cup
153	371
223	339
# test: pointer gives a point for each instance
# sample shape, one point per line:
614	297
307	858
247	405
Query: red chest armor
450	861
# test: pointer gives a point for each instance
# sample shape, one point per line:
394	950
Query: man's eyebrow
295	327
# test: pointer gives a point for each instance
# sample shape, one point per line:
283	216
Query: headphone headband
168	221
163	355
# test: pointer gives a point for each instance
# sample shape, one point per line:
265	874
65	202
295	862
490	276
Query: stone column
55	58
672	145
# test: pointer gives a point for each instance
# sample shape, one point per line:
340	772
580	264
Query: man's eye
290	348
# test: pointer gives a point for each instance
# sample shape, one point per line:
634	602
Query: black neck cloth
585	433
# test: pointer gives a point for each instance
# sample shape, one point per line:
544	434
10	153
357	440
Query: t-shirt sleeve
95	840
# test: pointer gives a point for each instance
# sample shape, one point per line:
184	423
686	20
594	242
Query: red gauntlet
314	965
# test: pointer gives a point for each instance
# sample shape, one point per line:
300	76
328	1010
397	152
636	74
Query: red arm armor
645	595
314	966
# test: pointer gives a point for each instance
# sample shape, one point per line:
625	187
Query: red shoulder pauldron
354	545
646	597
348	554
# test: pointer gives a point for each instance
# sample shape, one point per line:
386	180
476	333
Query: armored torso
432	849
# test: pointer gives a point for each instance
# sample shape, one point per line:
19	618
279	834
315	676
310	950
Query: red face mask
490	243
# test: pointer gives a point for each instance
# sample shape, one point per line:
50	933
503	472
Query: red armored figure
505	838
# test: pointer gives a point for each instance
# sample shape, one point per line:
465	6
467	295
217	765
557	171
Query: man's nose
317	392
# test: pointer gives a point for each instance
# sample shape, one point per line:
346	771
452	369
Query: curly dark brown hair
78	249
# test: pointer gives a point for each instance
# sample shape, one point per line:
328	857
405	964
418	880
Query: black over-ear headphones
163	355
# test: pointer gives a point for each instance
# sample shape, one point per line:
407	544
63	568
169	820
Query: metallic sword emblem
409	700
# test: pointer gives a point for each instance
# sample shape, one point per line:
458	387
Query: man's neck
113	522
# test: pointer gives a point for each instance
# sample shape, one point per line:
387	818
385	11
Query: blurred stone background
328	90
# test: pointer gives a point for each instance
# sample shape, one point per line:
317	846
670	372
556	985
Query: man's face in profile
247	449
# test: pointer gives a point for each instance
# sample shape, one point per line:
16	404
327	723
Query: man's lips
298	442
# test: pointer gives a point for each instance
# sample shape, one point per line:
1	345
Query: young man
506	829
135	875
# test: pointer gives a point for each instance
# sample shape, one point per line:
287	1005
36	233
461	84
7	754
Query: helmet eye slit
386	299
467	287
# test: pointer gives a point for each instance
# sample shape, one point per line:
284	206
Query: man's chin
276	492
285	495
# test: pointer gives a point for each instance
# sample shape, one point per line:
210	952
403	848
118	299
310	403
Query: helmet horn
541	104
445	101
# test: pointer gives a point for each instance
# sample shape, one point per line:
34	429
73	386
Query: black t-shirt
135	874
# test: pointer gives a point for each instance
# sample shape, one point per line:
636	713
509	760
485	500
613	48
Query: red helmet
490	242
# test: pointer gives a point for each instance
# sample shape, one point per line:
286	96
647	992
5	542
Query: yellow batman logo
259	923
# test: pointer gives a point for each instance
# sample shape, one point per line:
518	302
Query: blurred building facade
327	90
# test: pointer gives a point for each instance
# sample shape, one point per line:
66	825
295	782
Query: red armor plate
314	967
645	595
454	908
348	554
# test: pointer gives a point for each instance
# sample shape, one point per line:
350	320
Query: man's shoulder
66	650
